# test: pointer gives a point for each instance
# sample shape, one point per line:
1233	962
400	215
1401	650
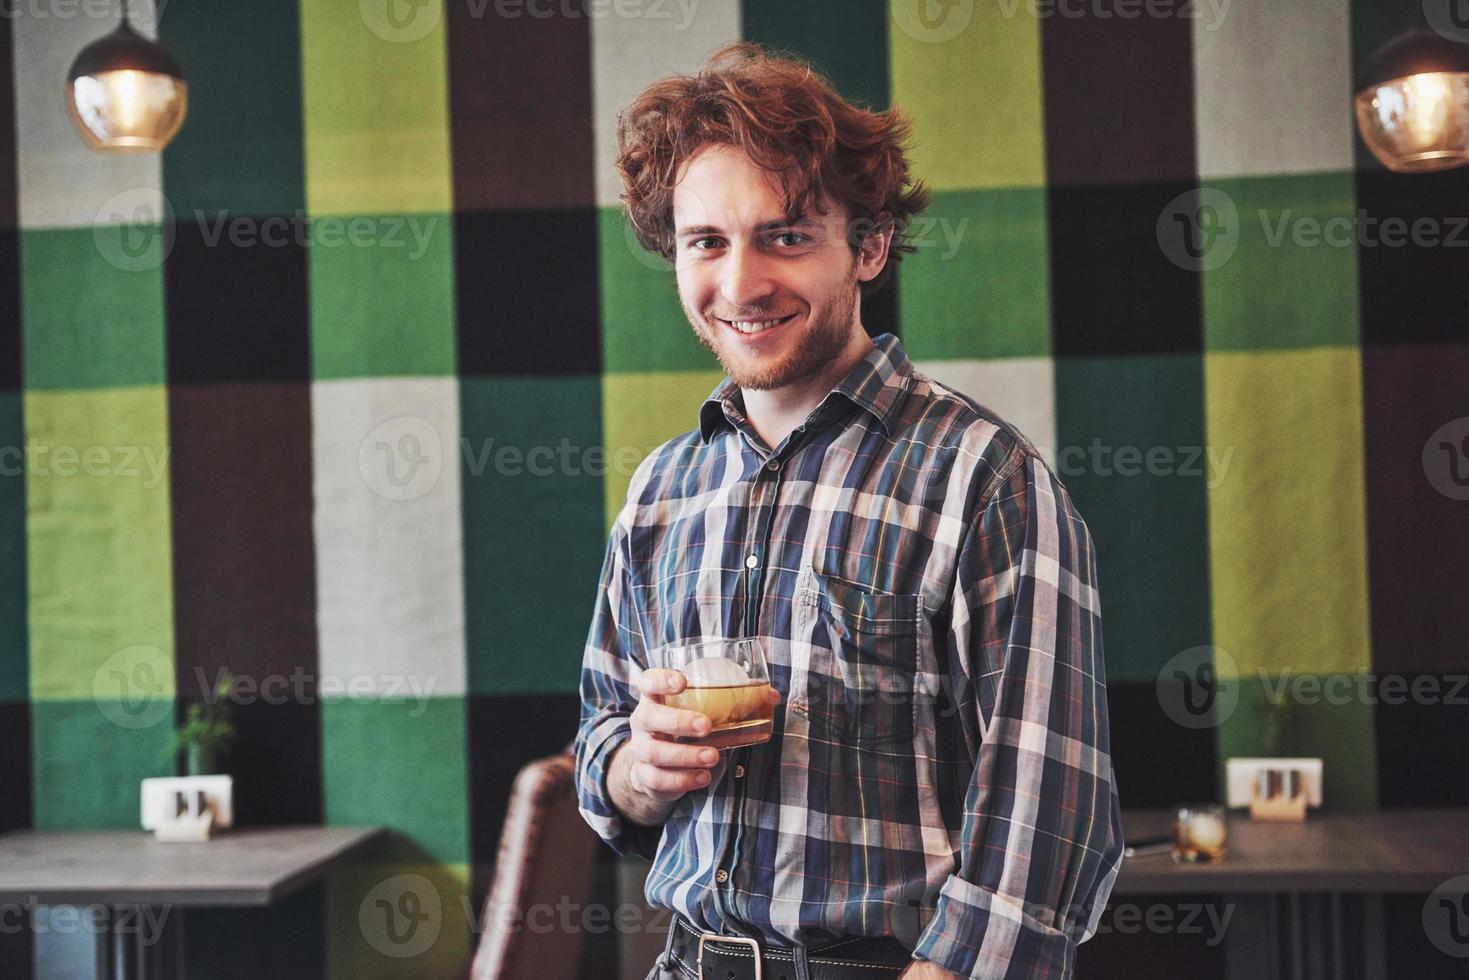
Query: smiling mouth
751	327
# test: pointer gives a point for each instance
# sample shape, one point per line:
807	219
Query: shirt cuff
595	802
981	934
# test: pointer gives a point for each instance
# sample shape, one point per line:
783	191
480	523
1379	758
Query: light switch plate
1241	775
159	797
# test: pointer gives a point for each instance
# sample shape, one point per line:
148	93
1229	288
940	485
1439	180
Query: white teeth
754	326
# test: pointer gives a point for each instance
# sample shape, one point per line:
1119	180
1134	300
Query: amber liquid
1187	849
738	715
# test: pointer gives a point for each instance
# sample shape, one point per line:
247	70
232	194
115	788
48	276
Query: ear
873	252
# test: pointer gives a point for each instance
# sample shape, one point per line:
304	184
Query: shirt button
773	465
721	876
739	772
751	561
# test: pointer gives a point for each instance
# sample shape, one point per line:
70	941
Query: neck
775	412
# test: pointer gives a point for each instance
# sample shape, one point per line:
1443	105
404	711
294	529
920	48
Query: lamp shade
1413	103
126	94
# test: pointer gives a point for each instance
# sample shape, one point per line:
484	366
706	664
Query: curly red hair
790	121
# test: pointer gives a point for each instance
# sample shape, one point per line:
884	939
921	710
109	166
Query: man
937	798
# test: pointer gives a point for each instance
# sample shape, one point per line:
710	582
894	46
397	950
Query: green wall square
979	284
99	546
846	40
399	764
531	478
1148	519
92	306
641	412
14	643
643	324
1305	715
88	768
382	301
368	936
1288	517
971	83
1292	279
241	148
376	110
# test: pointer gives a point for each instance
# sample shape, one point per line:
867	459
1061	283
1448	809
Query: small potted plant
207	730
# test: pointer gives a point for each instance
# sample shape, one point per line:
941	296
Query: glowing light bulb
1427	107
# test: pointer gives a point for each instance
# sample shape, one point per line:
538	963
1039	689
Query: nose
746	280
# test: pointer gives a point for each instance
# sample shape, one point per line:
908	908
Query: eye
789	239
704	244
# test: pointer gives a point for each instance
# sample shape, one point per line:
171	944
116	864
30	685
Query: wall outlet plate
1242	774
160	798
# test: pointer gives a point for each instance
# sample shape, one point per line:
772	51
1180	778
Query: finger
672	755
670	782
659	680
655	717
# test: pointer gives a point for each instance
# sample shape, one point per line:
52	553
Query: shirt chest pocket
863	651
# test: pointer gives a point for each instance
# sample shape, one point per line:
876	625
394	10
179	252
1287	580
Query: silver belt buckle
737	940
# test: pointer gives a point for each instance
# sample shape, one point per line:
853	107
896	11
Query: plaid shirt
926	593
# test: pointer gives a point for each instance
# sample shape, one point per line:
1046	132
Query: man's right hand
659	768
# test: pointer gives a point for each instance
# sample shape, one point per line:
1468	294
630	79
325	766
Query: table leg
1305	936
1252	949
140	942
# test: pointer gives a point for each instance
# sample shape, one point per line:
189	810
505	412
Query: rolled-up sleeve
1041	841
610	663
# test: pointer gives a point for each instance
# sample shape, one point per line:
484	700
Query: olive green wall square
531	479
14	644
98	540
640	412
240	149
382	295
971	82
92	306
376	109
979	284
408	919
1305	715
88	758
399	764
1287	518
1130	449
1291	280
643	324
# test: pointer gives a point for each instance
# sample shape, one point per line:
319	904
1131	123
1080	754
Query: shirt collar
878	384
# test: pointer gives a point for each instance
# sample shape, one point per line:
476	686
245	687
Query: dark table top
1384	851
239	867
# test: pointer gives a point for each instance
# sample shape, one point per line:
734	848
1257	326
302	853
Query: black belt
737	958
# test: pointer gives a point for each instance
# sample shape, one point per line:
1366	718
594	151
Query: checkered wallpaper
341	391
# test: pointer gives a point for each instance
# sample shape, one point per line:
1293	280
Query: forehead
720	186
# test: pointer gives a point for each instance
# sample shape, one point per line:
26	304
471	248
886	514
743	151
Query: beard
821	342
